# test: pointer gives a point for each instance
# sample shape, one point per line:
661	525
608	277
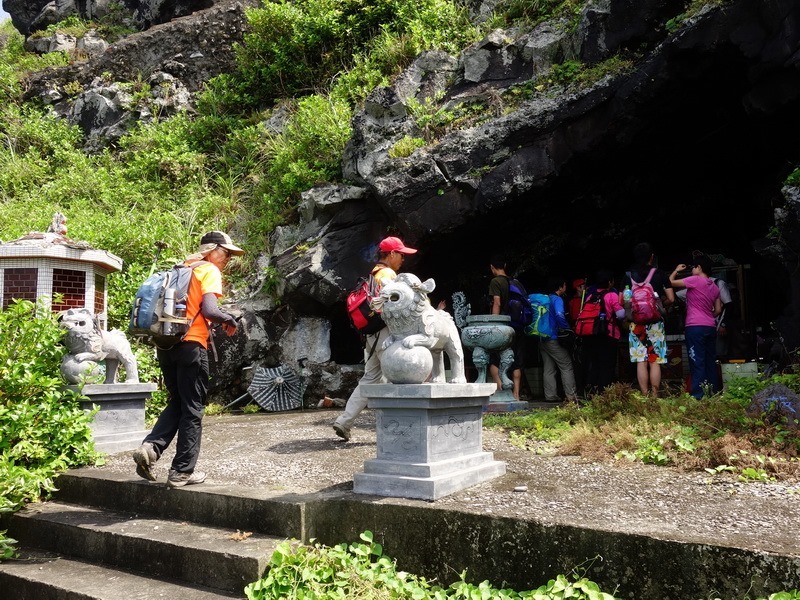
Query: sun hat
212	239
393	244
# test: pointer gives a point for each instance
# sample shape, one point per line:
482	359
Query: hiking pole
160	246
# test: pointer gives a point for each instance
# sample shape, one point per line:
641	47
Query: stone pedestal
429	439
119	424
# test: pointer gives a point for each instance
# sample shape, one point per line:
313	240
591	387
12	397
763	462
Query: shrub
43	430
298	48
362	570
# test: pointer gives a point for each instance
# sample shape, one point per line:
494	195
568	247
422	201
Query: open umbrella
276	388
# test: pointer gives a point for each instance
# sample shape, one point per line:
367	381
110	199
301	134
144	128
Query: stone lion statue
413	322
88	345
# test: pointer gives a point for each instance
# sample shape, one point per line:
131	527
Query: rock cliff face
685	145
686	149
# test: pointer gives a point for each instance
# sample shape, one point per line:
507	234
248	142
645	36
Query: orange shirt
206	279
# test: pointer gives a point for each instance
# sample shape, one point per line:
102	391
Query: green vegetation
111	26
405	147
43	430
695	6
714	434
362	570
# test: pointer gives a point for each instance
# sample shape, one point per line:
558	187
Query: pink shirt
701	294
611	301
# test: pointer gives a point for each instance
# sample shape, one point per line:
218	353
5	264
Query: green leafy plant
43	430
214	409
362	570
358	570
676	430
293	46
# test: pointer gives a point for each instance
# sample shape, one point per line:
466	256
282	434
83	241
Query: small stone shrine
50	264
55	267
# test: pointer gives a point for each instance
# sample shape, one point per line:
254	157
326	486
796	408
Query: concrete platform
644	531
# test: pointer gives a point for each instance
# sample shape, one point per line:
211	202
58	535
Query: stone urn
485	334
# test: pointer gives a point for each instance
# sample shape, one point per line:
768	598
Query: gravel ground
299	452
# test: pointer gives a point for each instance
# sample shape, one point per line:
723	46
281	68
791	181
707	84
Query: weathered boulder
33	15
193	49
105	112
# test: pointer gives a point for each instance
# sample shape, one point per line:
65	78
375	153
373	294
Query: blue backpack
542	324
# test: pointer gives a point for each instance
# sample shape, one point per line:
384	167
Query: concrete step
39	575
220	558
234	507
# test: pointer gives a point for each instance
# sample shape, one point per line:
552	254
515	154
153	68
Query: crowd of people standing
583	365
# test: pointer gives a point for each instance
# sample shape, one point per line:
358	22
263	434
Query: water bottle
169	310
180	313
627	294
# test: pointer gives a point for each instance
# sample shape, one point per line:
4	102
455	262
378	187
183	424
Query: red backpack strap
649	275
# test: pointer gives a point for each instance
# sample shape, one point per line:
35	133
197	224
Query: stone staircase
106	538
113	536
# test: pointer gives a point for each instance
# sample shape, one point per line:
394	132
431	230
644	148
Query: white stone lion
412	321
88	345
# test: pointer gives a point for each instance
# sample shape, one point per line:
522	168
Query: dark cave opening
693	168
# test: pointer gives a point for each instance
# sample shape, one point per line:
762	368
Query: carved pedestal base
503	401
429	440
119	424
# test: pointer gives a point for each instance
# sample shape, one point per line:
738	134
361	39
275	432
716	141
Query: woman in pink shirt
600	352
702	306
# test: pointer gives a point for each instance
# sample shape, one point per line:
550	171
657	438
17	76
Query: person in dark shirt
498	298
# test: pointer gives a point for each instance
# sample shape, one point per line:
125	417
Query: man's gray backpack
158	314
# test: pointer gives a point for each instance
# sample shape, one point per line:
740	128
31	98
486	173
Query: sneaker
341	432
145	457
177	479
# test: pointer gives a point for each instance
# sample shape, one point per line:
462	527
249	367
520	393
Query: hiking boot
342	432
177	479
145	457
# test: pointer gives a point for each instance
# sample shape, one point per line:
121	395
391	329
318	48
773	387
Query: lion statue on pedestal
88	345
414	323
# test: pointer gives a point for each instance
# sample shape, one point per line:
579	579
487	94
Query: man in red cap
576	301
391	254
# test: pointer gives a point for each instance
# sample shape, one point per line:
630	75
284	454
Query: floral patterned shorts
648	343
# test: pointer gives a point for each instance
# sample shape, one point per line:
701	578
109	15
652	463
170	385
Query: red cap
393	244
578	282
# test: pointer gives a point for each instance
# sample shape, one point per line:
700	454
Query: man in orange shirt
185	367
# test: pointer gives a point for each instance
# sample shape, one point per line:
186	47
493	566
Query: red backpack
592	319
644	302
362	317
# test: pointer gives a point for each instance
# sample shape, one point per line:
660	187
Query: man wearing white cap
391	254
185	367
